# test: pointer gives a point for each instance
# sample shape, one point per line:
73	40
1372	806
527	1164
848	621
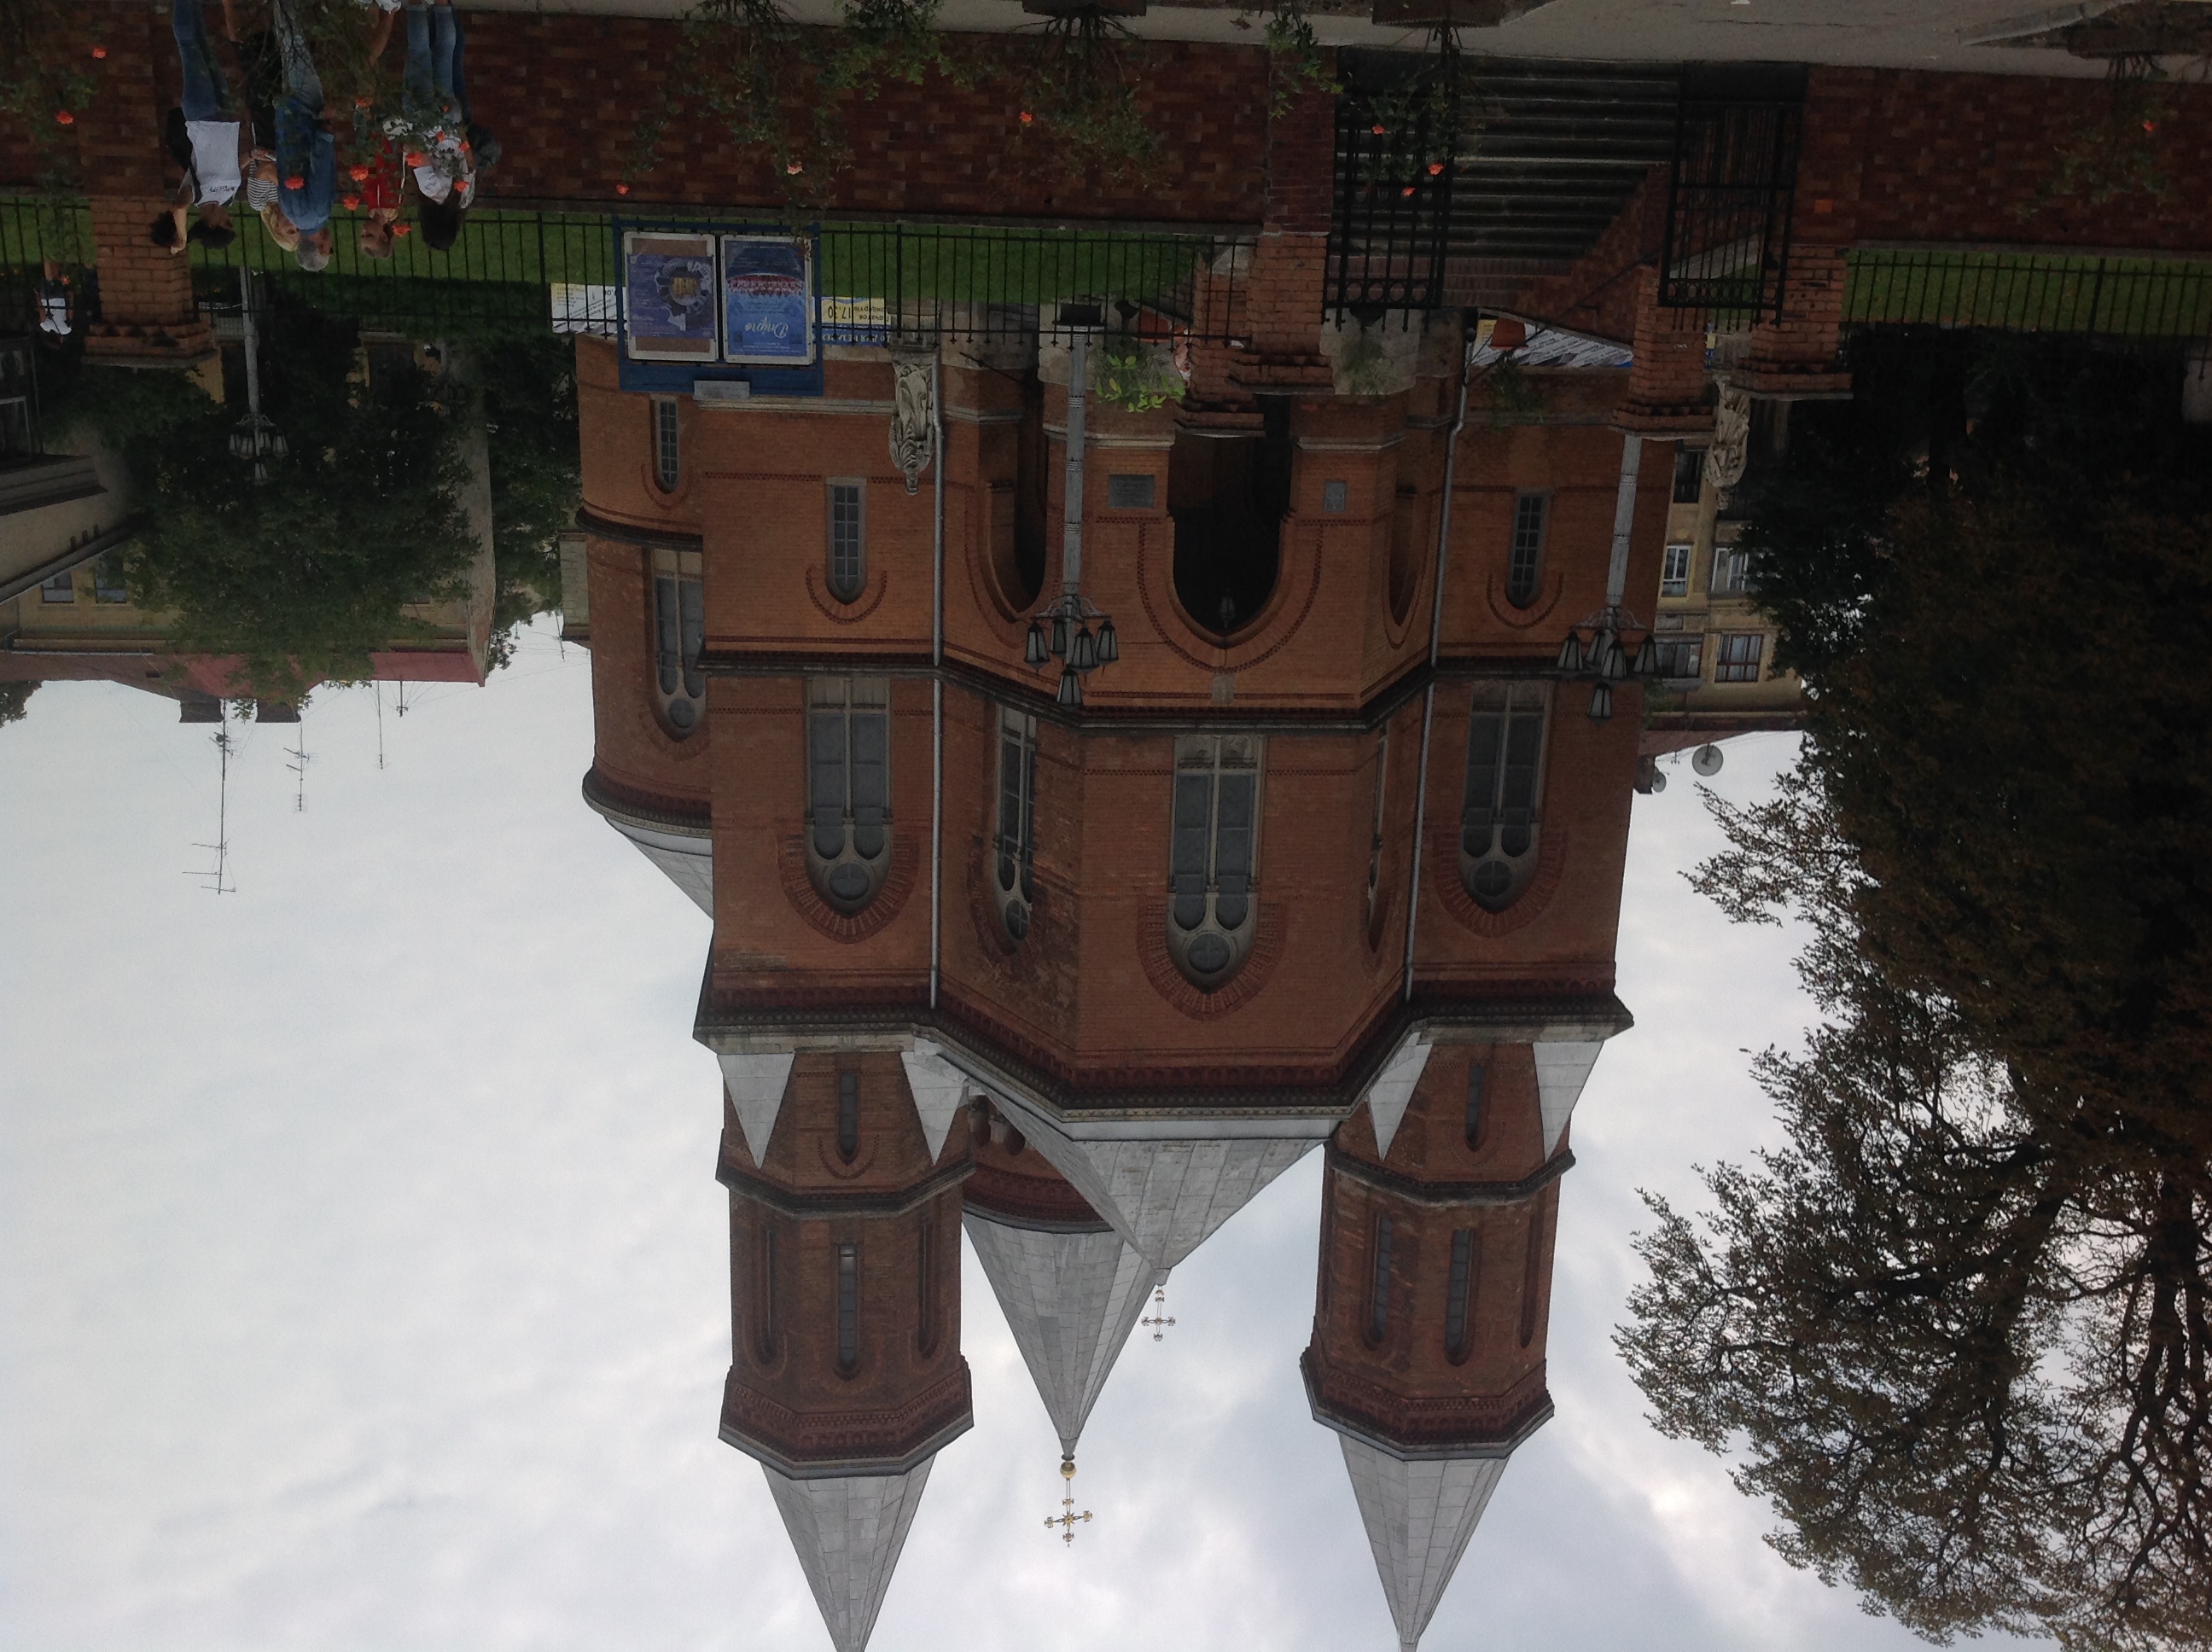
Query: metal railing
1391	227
1728	199
2030	292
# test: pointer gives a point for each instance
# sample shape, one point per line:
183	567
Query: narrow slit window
1378	1289
1531	1274
849	1115
848	1307
667	444
764	1296
1478	1082
1456	1303
1524	571
924	1274
848	571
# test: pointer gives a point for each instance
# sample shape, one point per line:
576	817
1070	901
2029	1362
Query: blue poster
668	297
768	300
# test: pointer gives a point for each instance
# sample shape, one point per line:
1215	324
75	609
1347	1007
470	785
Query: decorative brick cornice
805	900
1021	1201
872	1440
1423	1424
1442	1194
612	797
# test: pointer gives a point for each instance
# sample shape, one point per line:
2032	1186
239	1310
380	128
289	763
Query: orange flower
359	174
622	189
2150	125
1380	130
796	168
1027	117
1408	190
99	52
63	117
416	157
1436	169
295	182
350	203
402	229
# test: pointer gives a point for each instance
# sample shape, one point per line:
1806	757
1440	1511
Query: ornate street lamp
255	442
1594	652
1061	629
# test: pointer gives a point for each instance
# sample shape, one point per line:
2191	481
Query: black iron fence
2015	291
536	270
1729	194
1391	226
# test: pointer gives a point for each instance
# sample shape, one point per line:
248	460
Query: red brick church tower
1330	825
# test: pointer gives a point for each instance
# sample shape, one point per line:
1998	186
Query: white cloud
363	1276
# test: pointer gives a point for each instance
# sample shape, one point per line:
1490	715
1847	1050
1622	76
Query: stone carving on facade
1731	448
913	424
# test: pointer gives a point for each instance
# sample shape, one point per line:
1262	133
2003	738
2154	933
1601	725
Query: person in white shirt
208	145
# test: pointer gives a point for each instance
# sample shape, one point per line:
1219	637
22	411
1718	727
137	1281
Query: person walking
306	154
203	136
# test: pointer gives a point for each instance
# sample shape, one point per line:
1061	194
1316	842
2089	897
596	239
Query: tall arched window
1375	905
667	443
679	632
1531	1268
847	788
1379	1283
849	1116
1524	568
1213	858
764	1294
848	1308
1459	1293
848	545
924	1274
1014	835
1478	1113
1504	774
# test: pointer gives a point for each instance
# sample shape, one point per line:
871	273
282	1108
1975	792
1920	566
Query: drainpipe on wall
937	674
1436	645
1624	518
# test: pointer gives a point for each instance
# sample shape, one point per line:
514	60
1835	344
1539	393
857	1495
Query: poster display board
668	297
768	300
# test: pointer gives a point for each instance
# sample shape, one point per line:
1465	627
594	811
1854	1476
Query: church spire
847	1533
1420	1514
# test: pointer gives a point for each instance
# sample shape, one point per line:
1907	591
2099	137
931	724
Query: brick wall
146	307
563	93
1907	155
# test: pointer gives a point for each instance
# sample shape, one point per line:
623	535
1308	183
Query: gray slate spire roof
1166	1196
849	1533
1419	1514
687	858
1071	1299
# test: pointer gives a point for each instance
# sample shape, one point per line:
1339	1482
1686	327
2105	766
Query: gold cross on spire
1066	1520
1159	1322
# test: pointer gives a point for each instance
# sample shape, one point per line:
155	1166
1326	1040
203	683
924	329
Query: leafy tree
1957	1328
303	578
529	388
16	702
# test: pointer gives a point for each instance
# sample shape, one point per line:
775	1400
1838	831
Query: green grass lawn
2142	298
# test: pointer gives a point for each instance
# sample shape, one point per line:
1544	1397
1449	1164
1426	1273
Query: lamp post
1061	629
1595	649
255	442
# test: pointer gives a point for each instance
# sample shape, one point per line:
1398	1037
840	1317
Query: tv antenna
217	882
299	766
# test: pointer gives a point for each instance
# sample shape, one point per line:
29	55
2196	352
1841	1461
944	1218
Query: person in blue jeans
435	97
306	154
202	136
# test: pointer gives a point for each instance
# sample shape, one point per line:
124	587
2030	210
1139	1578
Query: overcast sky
363	1277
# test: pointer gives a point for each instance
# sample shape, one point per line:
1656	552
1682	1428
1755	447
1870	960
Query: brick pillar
146	316
1793	356
1283	291
1666	385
